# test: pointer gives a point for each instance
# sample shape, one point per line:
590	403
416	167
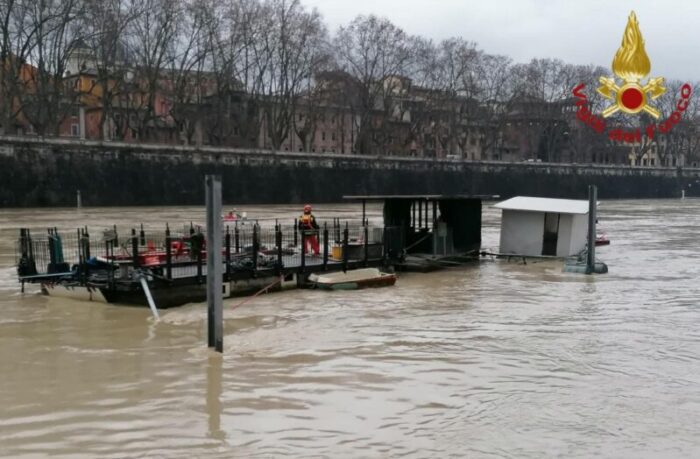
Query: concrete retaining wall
36	172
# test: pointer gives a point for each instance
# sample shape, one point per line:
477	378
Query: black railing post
295	233
168	253
142	235
255	247
366	240
303	251
325	246
337	231
346	236
385	250
278	242
81	259
200	262
236	238
134	248
116	238
86	251
86	237
227	241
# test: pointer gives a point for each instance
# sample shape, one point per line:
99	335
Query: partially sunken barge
420	232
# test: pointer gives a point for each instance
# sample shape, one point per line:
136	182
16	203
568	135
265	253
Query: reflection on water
496	359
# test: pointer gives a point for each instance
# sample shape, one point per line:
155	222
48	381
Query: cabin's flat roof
560	206
431	197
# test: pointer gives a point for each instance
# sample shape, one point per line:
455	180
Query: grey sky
583	32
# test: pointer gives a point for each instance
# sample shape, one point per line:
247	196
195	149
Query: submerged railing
248	247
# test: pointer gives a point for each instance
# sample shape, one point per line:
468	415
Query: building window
333	136
652	162
75	130
323	136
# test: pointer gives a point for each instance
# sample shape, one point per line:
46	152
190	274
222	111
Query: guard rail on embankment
48	172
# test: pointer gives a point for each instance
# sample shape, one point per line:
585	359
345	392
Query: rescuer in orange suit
309	227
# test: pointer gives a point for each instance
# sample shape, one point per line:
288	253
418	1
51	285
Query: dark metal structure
432	225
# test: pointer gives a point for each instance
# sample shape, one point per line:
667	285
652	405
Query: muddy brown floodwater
492	360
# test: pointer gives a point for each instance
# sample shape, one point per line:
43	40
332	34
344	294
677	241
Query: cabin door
551	234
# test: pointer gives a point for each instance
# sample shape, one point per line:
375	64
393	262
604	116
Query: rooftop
561	206
426	197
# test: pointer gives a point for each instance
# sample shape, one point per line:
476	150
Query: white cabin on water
543	226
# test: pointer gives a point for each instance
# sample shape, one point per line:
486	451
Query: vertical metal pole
215	311
434	213
168	253
420	214
303	251
366	238
325	246
228	253
199	259
134	248
256	246
364	213
278	239
295	233
413	213
86	237
237	238
592	207
142	235
346	237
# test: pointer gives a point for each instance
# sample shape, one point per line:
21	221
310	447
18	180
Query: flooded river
493	360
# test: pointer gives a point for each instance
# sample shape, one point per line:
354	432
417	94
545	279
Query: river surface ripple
496	359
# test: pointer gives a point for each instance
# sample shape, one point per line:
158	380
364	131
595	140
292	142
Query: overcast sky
582	32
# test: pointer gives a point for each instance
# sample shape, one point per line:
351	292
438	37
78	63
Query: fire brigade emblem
631	64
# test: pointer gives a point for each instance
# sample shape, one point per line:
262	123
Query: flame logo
631	63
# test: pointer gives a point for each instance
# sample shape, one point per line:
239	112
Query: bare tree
150	38
288	55
374	52
106	58
189	82
18	35
494	91
47	100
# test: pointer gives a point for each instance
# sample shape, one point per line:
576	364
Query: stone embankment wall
41	172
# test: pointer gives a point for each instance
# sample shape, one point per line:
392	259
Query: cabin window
75	130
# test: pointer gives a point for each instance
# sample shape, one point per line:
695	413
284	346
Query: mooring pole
592	207
215	311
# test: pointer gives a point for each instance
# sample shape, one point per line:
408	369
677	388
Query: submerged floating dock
109	268
421	232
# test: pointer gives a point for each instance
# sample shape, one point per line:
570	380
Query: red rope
264	289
